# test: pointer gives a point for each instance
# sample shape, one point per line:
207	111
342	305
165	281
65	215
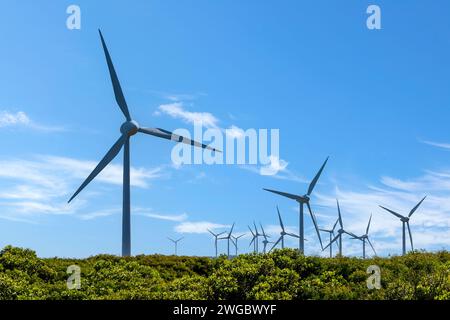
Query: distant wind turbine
235	239
228	238
364	238
254	239
331	234
283	233
405	222
302	200
215	235
266	240
176	244
128	129
341	231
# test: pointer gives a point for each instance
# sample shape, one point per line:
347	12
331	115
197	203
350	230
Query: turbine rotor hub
129	128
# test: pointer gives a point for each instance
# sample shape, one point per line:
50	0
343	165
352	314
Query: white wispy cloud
430	224
198	227
177	110
442	145
161	216
21	119
276	167
42	186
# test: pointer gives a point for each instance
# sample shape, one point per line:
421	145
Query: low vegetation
283	274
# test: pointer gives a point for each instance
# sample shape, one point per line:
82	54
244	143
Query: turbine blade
287	195
368	225
109	156
253	234
292	235
351	234
281	220
370	243
410	236
339	214
171	239
275	244
256	229
335	224
161	133
231	231
398	215
180	239
120	99
263	232
313	217
335	238
415	208
316	178
253	240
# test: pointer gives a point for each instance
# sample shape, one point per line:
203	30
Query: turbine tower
176	243
405	222
364	238
235	242
228	238
331	233
341	231
302	200
215	235
128	129
282	233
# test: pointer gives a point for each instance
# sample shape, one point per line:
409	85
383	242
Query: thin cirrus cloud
43	185
160	216
357	203
176	110
199	227
276	167
21	119
441	145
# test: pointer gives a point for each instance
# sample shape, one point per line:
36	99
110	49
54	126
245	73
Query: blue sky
376	102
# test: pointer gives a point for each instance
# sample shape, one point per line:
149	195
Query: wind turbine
341	231
405	221
215	235
302	200
235	241
282	233
228	238
176	243
331	233
265	241
365	237
129	128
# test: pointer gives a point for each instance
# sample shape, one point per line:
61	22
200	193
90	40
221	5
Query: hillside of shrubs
283	274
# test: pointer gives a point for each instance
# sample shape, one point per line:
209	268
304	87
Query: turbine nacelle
303	199
129	128
404	219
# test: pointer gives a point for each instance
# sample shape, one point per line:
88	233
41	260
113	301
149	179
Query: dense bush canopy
283	274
